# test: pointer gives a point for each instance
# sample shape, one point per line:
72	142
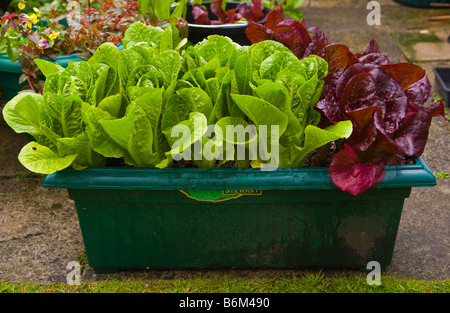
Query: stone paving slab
39	232
424	46
10	145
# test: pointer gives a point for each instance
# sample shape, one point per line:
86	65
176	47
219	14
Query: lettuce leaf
386	104
150	105
138	33
40	159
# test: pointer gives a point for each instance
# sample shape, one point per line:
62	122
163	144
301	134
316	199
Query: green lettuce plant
126	105
54	118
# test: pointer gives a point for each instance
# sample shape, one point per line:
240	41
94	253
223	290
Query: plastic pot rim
396	176
7	66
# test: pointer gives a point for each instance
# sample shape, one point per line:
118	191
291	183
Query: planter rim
7	66
397	176
4	56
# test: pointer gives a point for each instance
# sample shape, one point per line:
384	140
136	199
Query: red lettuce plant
250	11
292	33
384	101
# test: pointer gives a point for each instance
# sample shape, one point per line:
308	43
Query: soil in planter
318	158
321	157
311	161
229	164
184	164
112	162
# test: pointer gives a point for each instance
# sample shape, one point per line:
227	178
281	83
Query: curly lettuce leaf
40	159
352	176
386	104
138	33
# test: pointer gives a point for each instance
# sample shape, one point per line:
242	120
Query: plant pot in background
137	218
10	73
442	81
234	31
426	3
9	77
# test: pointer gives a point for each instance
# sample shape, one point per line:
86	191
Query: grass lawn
309	283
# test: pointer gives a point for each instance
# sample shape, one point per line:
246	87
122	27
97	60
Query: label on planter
219	195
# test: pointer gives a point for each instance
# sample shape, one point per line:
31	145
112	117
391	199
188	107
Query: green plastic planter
135	218
10	73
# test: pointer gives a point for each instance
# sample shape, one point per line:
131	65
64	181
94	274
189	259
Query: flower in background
53	35
43	44
21	6
28	21
26	24
38	13
33	18
23	17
